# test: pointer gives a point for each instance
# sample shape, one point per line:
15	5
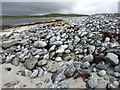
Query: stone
85	65
9	59
107	39
58	59
92	82
102	73
67	51
40	44
64	84
41	72
117	68
116	74
56	78
111	58
56	43
53	70
61	49
16	61
91	49
77	39
30	62
88	58
101	66
9	43
28	73
69	71
42	62
52	48
35	73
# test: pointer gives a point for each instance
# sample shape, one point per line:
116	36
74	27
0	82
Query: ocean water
7	21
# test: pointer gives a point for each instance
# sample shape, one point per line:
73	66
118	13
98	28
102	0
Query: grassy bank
46	15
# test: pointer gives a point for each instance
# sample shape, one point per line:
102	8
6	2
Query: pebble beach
75	52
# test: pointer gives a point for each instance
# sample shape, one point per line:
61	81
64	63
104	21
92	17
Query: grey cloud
27	8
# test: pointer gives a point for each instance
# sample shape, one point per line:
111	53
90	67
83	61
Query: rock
42	62
85	65
2	59
102	73
69	71
9	43
112	58
67	51
16	61
101	66
110	85
56	43
91	49
30	62
88	58
117	68
58	59
40	44
116	83
61	48
35	73
46	56
9	59
63	84
56	78
107	39
41	72
77	39
53	70
67	58
92	82
28	73
52	48
116	74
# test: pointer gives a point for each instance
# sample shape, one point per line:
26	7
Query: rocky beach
73	52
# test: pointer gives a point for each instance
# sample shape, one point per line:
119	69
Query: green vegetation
46	15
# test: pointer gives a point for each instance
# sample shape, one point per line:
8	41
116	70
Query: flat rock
92	82
42	62
112	58
30	62
101	66
9	43
40	44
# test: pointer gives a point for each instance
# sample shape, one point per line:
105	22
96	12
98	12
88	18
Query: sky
30	7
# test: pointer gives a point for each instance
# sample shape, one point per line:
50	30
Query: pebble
64	84
58	59
117	68
92	82
42	62
61	48
28	73
102	73
88	58
40	44
41	72
101	66
30	62
56	78
35	73
85	65
112	58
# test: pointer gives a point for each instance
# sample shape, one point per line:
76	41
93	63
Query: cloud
60	6
20	8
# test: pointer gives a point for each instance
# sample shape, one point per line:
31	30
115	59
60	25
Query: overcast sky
23	7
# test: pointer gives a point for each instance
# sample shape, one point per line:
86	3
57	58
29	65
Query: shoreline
4	27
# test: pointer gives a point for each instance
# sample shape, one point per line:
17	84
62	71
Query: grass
46	15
